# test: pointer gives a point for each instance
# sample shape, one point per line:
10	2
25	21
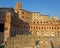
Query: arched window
40	22
47	21
44	22
57	27
52	28
39	27
34	22
47	27
31	27
22	12
42	27
36	27
22	16
37	22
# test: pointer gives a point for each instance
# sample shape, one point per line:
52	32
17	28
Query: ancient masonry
24	29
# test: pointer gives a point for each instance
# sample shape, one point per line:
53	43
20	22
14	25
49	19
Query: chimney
18	5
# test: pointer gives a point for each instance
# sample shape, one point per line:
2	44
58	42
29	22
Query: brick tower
18	5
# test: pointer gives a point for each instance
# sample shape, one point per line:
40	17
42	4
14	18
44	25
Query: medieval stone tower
18	5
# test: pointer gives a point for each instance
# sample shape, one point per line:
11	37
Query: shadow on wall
1	27
24	28
18	26
52	46
2	46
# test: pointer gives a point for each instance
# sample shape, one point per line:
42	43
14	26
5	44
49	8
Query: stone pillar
7	26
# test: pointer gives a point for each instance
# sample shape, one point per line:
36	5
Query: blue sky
47	7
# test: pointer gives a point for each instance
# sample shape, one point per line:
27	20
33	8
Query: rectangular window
22	16
39	27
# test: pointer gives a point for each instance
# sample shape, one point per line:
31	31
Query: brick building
38	23
25	29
